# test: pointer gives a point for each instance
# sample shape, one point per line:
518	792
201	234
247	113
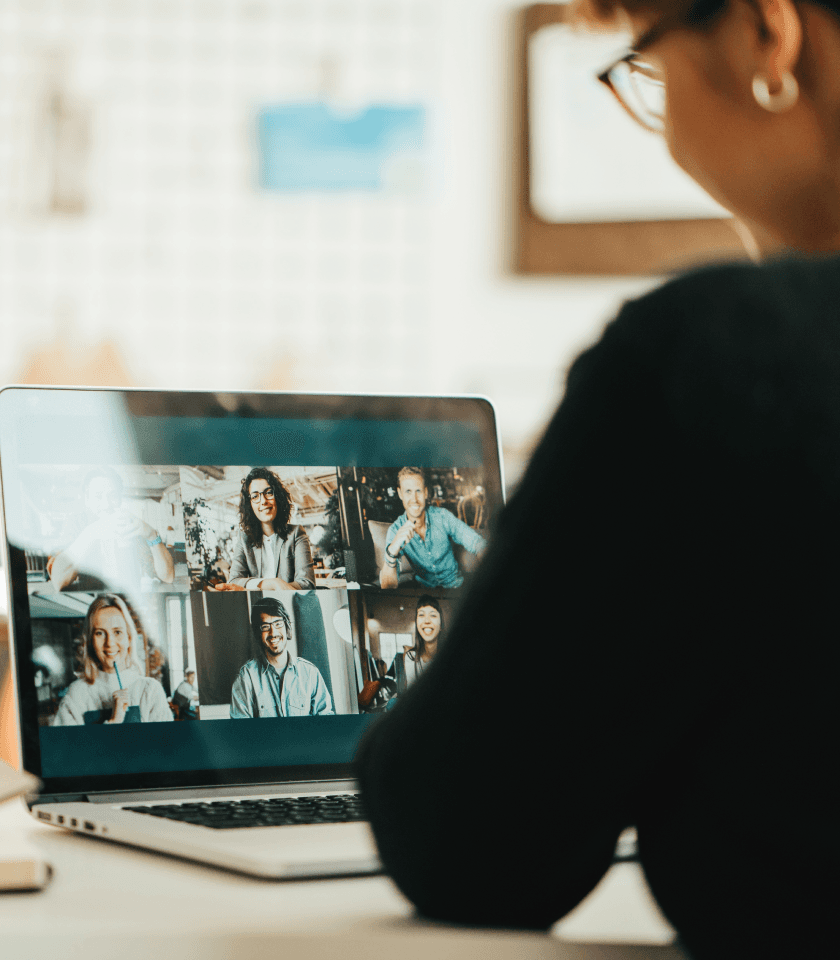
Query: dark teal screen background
98	749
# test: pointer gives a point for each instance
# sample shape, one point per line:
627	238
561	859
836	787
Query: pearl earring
776	102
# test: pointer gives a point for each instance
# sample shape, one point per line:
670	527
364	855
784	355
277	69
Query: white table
109	901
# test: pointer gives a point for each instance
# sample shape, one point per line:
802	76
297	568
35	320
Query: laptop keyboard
274	812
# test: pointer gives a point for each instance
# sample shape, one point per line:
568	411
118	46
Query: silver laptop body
204	617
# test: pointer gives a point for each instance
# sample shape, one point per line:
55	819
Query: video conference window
105	658
262	528
99	527
284	653
413	527
397	636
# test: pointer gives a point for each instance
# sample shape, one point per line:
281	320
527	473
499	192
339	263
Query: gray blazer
293	561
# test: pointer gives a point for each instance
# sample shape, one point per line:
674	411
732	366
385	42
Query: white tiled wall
198	277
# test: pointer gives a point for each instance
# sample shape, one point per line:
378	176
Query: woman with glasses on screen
678	673
270	553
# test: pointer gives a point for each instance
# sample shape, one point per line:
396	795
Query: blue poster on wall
308	147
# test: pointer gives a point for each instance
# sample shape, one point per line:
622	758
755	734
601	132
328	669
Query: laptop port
61	818
89	825
43	815
74	822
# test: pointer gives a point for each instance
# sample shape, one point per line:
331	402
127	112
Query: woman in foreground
683	663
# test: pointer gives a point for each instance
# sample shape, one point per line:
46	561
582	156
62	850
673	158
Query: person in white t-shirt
111	688
270	554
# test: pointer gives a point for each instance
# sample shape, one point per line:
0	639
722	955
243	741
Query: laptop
212	595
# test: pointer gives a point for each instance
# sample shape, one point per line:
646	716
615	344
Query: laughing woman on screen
111	688
428	626
270	553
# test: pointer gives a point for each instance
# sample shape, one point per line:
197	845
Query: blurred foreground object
13	783
8	726
21	865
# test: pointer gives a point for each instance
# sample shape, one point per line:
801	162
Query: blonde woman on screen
111	688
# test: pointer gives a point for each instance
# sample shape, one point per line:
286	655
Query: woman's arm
544	682
304	570
240	569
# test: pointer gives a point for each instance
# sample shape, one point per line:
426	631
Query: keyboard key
267	812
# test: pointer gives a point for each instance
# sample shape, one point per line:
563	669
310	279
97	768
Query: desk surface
106	900
110	901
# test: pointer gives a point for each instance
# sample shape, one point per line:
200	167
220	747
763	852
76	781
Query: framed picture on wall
597	193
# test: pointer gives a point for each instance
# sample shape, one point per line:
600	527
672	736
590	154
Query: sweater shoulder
735	303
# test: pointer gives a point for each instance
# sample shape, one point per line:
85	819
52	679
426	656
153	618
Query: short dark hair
271	607
251	527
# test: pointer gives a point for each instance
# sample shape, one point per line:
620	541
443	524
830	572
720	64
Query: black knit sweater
651	639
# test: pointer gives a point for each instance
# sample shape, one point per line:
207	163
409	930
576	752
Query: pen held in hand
117	671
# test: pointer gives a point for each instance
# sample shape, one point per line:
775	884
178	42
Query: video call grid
379	628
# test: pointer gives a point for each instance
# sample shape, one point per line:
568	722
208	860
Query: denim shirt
260	691
433	561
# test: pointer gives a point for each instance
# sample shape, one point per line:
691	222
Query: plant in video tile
330	544
199	535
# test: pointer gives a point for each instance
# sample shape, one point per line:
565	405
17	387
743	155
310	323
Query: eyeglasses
639	88
258	495
266	628
637	84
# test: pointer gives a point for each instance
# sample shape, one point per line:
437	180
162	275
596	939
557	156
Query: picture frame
639	247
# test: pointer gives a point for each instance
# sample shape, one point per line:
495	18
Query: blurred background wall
138	247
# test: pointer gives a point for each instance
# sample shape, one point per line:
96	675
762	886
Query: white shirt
269	563
143	692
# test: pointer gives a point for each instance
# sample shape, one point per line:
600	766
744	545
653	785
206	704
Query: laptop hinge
219	793
37	799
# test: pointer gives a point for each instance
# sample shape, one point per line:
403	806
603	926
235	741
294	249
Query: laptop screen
216	588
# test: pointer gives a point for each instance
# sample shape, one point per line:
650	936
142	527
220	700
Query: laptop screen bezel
477	411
